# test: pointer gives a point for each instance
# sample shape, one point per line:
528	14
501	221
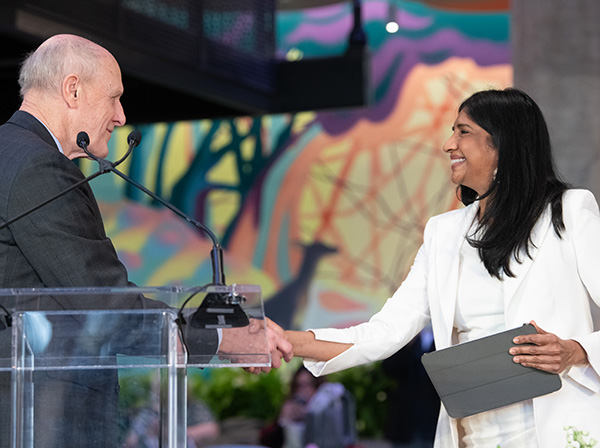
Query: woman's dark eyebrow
463	125
460	125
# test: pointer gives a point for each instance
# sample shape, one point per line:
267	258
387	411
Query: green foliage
233	392
135	388
575	438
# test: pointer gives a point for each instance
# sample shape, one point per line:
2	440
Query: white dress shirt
479	313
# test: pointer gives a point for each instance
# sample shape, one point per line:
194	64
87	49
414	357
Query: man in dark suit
63	244
68	85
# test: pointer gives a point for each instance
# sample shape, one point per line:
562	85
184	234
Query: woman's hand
548	352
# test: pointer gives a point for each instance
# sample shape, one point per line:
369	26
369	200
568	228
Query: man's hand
549	352
240	343
278	346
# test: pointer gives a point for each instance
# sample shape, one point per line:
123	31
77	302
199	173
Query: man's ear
71	90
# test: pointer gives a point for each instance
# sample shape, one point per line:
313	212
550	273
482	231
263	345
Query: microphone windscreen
134	138
83	139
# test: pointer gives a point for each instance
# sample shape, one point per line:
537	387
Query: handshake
239	342
282	345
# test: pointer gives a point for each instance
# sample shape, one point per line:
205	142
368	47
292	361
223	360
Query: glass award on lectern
105	367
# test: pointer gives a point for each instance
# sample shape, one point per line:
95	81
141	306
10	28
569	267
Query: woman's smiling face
473	158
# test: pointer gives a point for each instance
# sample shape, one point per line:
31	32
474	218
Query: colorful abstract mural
324	210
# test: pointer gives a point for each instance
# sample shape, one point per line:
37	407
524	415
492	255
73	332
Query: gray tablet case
480	375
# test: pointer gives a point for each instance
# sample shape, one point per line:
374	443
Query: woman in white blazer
525	249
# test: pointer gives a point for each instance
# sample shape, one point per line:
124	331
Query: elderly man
68	85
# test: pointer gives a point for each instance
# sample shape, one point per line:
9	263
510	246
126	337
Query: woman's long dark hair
526	180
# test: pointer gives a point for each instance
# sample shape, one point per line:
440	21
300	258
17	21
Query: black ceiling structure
188	59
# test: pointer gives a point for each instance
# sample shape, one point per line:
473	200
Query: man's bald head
71	85
45	68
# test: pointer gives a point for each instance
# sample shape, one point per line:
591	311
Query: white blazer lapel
538	234
447	266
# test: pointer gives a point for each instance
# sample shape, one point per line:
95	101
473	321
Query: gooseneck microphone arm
105	166
217	310
216	252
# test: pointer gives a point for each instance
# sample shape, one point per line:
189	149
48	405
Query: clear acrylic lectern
106	367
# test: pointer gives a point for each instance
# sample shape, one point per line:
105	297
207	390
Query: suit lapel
538	234
452	239
451	236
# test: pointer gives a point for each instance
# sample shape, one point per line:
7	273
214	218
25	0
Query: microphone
134	138
83	140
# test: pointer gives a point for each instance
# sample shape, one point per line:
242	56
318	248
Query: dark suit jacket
63	244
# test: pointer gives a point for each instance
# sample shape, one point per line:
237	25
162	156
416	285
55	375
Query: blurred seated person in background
144	428
288	430
202	427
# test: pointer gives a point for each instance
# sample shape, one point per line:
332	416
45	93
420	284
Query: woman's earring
494	174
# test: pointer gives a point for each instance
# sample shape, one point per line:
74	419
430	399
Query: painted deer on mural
282	306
